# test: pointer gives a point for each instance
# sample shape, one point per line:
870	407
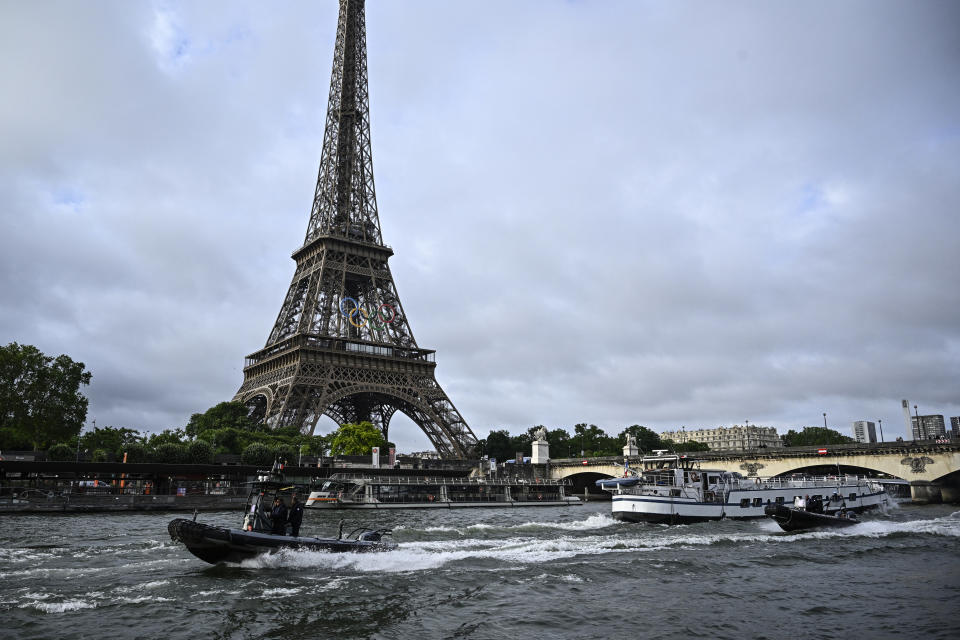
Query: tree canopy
589	438
225	415
647	439
814	436
499	445
40	399
111	439
356	439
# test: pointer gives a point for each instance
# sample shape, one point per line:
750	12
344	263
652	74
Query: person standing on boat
815	505
296	516
278	516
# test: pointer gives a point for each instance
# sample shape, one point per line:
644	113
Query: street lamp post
824	420
880	422
78	437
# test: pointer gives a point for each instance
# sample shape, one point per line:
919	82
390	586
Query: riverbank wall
109	503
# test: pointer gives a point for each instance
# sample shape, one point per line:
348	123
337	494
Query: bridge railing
860	448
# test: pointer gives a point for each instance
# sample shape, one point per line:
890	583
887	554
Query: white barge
673	489
357	491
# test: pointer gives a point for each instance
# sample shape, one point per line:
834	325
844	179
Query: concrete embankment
88	504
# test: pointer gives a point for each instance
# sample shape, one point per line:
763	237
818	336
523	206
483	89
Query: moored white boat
673	489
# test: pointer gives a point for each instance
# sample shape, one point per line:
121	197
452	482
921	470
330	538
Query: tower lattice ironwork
342	345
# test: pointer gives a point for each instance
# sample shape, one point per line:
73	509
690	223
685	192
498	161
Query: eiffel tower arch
342	345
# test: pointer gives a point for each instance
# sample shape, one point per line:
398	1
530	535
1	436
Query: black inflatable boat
219	544
794	519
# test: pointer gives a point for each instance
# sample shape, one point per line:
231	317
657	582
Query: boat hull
219	544
791	519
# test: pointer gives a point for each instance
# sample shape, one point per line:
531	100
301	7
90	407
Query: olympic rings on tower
360	317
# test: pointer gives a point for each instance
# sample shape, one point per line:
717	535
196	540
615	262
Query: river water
489	573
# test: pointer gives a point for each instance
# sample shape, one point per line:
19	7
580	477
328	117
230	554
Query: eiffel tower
342	345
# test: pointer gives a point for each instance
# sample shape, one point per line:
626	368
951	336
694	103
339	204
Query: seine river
490	573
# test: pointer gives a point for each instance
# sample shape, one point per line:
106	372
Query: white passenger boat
673	489
358	491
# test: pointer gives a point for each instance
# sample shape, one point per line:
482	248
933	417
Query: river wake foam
525	543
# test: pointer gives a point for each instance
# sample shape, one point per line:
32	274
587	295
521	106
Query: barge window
758	502
779	500
744	503
853	496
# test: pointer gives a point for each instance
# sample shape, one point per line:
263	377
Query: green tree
109	439
319	445
647	439
285	453
100	455
289	432
591	439
814	436
167	436
226	415
226	440
40	399
135	452
61	453
498	445
356	439
560	444
200	452
257	454
171	453
521	444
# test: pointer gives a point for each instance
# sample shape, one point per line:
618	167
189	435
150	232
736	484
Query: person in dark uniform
278	516
296	516
815	505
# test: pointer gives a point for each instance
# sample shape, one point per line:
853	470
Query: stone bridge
932	470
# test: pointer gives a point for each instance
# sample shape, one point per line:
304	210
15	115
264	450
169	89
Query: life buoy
430	498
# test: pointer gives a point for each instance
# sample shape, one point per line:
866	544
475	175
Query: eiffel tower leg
381	418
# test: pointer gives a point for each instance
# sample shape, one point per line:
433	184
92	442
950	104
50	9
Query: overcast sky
658	213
